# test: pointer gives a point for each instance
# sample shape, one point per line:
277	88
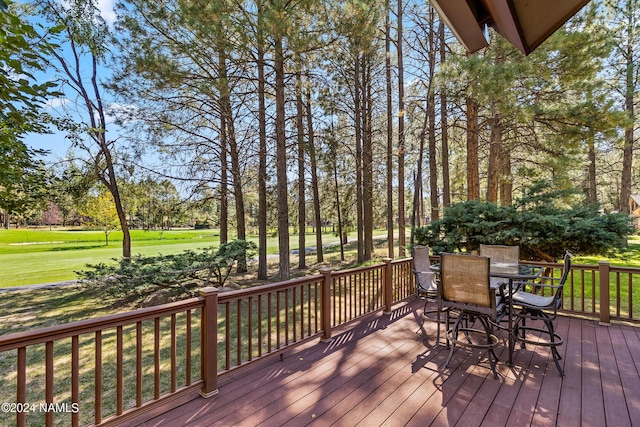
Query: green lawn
29	256
34	256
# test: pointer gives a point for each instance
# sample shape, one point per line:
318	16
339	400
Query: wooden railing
126	367
115	369
583	293
88	371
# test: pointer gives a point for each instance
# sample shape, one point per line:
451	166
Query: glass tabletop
508	270
514	271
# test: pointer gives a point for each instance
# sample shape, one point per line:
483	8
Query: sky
56	143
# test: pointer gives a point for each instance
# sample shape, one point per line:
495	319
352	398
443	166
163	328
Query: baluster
250	328
22	385
156	358
188	348
138	364
119	371
75	378
98	378
49	381
174	342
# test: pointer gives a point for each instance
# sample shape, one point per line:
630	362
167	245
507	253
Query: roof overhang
524	23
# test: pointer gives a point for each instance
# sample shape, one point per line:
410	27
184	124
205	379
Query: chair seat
532	300
426	281
427	288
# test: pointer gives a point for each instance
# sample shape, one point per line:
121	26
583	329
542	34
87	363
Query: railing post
326	305
209	342
605	289
388	285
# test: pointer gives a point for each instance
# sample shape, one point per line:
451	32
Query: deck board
629	375
382	371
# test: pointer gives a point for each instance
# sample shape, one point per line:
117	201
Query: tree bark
402	240
431	115
314	181
284	264
302	208
446	186
108	178
627	155
390	227
224	182
506	179
417	213
367	162
358	135
473	174
495	149
262	150
236	172
591	153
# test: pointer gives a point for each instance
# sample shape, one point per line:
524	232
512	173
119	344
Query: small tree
102	213
223	260
181	272
541	223
51	215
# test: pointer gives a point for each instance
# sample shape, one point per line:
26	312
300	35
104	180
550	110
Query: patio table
514	273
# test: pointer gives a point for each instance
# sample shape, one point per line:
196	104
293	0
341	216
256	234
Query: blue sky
56	143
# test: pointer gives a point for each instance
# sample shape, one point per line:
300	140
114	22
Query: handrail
53	333
217	333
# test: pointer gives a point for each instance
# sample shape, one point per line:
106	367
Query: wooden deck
381	372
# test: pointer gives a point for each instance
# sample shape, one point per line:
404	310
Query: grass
41	307
35	308
29	256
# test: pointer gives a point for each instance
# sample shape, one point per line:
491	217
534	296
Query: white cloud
106	11
120	114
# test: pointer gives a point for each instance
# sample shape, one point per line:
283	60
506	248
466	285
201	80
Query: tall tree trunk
592	192
495	149
431	129
284	264
262	166
367	161
302	207
224	183
390	216
314	181
96	117
236	172
402	240
446	186
358	136
416	215
506	179
112	185
627	155
473	173
339	211
433	159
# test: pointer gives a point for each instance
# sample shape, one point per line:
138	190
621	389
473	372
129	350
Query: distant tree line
359	113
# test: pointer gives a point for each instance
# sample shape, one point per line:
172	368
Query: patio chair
464	280
543	307
500	254
427	286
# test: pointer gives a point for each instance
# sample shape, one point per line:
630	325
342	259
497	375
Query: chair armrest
549	278
537	287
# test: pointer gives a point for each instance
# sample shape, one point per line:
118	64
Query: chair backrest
465	280
421	261
501	253
557	300
566	267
